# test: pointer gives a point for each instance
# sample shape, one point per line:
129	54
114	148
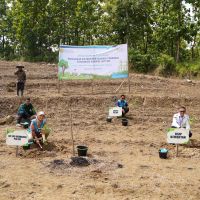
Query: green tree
30	22
156	30
64	65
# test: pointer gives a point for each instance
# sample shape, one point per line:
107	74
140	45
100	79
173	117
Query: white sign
93	62
115	111
17	138
178	136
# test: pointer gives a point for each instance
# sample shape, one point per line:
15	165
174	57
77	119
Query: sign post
178	136
115	111
17	138
17	150
176	150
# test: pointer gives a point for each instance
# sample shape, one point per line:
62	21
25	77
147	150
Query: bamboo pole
119	86
71	131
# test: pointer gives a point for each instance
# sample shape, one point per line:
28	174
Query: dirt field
124	160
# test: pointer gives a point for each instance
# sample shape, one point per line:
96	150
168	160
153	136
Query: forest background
163	36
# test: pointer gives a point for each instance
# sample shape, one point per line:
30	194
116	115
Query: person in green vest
26	111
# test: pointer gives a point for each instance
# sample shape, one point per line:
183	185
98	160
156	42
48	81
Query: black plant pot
124	122
163	155
82	150
109	119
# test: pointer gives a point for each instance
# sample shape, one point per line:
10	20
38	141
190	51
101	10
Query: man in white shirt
181	120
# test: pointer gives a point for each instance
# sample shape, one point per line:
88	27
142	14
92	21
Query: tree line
162	35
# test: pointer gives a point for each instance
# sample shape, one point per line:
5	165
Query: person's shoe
18	125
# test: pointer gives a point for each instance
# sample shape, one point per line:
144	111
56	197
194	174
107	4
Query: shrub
167	65
183	69
142	63
188	69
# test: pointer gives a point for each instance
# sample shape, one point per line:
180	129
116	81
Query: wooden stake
119	87
46	106
176	150
71	130
58	86
17	150
129	85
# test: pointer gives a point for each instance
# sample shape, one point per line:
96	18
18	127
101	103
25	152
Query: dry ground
124	160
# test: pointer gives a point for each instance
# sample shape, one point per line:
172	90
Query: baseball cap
41	113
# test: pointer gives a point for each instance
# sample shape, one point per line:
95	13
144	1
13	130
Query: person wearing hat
26	111
21	79
38	129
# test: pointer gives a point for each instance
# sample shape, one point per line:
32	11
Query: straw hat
20	66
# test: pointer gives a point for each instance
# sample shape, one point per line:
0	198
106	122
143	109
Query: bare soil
124	163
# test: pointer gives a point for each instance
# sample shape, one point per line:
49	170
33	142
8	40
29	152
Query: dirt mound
83	164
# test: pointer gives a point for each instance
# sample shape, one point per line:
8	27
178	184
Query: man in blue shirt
123	104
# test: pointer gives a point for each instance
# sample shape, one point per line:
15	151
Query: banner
93	62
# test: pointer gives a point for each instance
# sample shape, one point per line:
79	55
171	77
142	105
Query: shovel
38	142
